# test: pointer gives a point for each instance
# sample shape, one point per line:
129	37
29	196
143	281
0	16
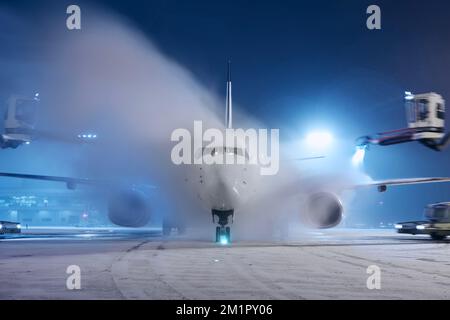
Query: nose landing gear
223	232
223	235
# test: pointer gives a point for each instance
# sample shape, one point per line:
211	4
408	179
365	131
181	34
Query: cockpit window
440	113
417	110
422	106
228	150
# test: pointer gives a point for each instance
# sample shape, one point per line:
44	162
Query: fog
110	79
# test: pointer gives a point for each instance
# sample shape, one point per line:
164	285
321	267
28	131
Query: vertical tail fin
229	102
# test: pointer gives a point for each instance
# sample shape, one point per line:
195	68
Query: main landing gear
223	232
170	223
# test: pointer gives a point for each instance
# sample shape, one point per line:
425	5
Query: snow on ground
328	264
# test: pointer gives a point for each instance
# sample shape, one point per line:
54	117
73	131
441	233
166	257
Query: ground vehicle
9	227
19	120
437	224
425	115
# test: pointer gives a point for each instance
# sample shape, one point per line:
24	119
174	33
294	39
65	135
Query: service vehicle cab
437	224
19	121
425	116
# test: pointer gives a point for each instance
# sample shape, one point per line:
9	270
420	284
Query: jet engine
323	210
129	208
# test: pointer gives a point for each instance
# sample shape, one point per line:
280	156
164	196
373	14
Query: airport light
19	226
409	95
319	139
1	226
398	226
223	240
87	136
420	227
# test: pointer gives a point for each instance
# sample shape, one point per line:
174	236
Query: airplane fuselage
223	186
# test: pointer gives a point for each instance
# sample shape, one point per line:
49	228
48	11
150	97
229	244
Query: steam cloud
110	78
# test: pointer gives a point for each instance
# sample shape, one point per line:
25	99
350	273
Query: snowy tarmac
123	264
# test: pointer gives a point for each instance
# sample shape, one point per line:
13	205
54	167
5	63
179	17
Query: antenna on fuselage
229	102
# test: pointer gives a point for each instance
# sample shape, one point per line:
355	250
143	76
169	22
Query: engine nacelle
323	210
129	209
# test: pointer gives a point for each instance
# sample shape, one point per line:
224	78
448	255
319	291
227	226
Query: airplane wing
383	184
71	183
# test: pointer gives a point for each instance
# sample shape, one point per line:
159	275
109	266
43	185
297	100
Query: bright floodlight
319	139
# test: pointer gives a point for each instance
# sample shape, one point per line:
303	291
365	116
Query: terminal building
52	207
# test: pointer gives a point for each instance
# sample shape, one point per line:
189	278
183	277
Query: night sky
300	65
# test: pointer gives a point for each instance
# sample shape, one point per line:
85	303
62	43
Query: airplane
224	189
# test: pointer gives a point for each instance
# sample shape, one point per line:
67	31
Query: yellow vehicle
437	224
